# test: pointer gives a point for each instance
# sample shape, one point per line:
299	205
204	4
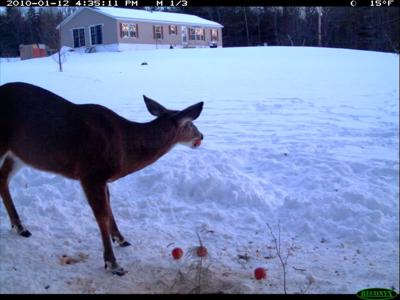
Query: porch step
91	49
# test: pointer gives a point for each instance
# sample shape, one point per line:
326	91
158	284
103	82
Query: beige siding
85	19
207	38
146	35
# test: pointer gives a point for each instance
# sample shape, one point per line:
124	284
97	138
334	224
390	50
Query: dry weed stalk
283	258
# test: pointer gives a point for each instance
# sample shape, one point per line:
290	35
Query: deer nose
201	136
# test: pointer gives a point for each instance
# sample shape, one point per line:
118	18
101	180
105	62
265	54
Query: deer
85	142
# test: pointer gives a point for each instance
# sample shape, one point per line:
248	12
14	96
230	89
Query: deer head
186	132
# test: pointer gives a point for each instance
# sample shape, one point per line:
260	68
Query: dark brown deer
89	143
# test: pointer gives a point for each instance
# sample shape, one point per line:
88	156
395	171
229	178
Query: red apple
202	251
177	253
260	273
197	143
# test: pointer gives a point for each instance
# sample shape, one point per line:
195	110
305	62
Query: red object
202	251
177	253
37	52
260	273
197	143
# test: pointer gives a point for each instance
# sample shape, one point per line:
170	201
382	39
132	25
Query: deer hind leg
8	167
97	197
116	236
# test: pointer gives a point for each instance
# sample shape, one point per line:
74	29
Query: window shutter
120	30
137	30
154	32
162	32
204	34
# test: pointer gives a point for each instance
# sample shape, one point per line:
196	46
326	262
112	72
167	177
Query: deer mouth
196	143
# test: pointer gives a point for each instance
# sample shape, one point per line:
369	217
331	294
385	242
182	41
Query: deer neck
144	143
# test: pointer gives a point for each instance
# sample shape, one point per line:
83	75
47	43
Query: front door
184	36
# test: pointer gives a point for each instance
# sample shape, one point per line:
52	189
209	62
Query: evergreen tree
32	27
11	32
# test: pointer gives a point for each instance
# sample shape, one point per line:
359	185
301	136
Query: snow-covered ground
302	137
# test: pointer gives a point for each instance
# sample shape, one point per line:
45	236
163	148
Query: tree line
28	26
365	28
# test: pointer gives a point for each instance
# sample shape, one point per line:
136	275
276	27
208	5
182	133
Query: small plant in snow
199	266
197	271
282	255
304	289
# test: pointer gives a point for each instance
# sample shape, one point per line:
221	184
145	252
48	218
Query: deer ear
153	107
189	114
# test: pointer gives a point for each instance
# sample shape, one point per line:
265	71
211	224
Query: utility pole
319	12
247	26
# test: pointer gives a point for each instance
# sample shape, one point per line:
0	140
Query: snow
306	138
9	59
158	16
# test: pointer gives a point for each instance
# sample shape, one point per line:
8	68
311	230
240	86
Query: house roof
148	16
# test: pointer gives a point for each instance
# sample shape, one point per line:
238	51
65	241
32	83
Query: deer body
88	142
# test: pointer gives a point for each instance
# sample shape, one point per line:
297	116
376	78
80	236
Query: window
158	32
129	30
196	34
79	37
214	35
173	29
96	35
192	34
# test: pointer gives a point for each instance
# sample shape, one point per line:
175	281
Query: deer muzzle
197	142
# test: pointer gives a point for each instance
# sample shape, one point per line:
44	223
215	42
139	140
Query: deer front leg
116	236
97	197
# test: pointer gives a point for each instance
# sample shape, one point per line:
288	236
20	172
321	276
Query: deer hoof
125	244
121	242
120	272
25	233
115	269
22	231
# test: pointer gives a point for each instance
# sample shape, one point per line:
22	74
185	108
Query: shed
32	51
